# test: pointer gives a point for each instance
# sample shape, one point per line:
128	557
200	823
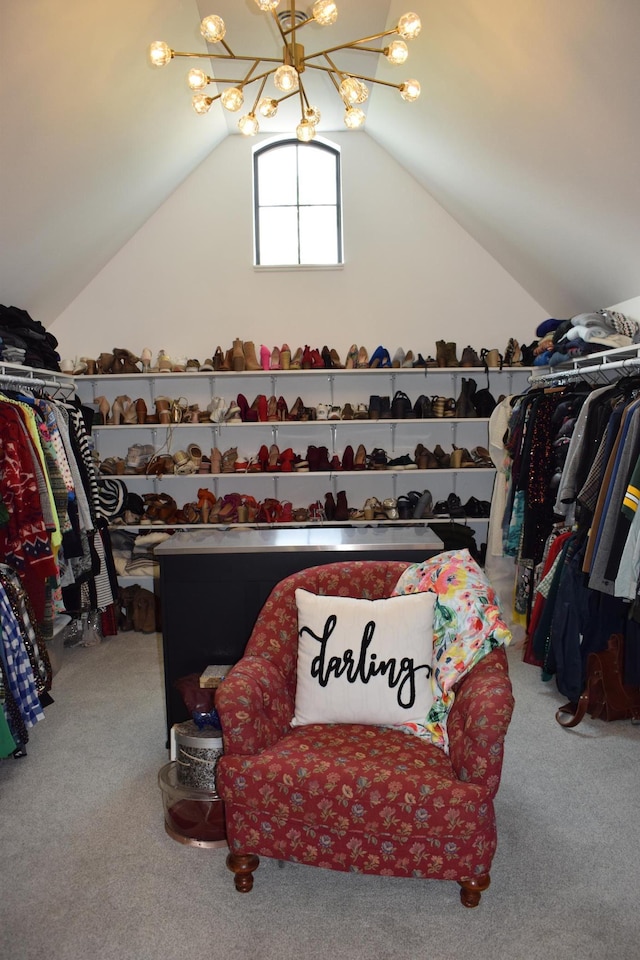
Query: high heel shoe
216	460
120	409
265	357
274	359
360	459
274	456
285	356
352	357
103	408
363	357
296	360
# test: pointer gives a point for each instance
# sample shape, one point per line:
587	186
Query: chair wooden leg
242	865
472	890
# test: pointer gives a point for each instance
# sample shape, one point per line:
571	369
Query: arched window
297	204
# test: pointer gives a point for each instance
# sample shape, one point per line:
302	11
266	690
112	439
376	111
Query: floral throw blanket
466	626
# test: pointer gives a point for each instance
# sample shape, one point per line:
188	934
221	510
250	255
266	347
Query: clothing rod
7	379
582	371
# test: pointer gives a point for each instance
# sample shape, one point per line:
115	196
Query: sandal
390	506
184	463
195	453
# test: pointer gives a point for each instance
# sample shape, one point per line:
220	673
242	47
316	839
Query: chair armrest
254	706
478	722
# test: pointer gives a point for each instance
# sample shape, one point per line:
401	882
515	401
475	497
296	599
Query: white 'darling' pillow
364	661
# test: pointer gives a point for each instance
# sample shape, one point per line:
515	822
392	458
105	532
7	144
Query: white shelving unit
332	387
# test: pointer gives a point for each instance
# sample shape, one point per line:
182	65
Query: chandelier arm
353	45
279	25
358	76
255	102
298	26
224	56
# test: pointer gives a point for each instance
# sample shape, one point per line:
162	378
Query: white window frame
317	143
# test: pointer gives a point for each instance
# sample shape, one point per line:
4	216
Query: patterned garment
20	677
467	625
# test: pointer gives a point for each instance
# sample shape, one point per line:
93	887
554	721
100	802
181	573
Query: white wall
185	282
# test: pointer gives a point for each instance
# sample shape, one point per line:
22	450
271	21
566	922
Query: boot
450	354
464	405
227	363
469	358
237	357
250	359
441	353
144	612
342	508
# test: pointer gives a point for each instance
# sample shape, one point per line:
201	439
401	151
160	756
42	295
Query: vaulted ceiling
527	131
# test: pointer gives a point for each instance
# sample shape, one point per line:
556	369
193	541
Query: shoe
464	404
424	506
274	359
441	353
408	359
122	411
352	357
461	458
348	458
296	360
141	410
398	358
443	459
195	453
347	412
438	406
491	358
342	507
335	360
145	359
374	407
454	506
184	463
363	358
402	463
469	358
163	362
377	459
360	459
513	354
125	362
216	460
228	460
326	357
250	359
450	355
104	363
401	408
103	409
422	408
390	506
285	356
329	506
424	458
237	356
481	457
380	358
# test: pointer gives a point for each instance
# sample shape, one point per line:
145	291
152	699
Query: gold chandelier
287	69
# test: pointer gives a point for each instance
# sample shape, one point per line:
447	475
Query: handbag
400	406
605	696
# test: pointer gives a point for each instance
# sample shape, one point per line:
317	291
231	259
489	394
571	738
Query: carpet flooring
87	870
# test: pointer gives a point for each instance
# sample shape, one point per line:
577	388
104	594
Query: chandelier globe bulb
410	90
232	99
201	103
267	5
268	107
248	125
286	78
397	52
409	26
197	79
305	131
213	28
160	53
353	118
325	12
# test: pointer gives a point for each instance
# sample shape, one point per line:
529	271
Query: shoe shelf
330	388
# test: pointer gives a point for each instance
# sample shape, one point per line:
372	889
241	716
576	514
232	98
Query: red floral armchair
351	797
